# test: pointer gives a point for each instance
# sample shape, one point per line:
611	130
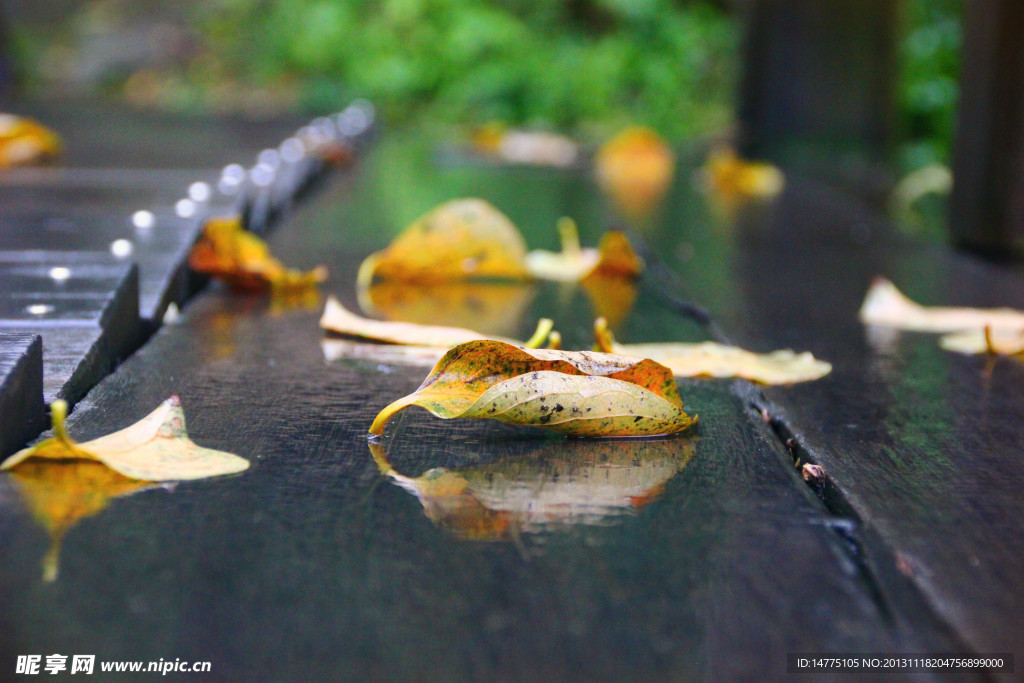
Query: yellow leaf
536	148
635	169
734	179
458	240
156	448
560	485
578	393
340	320
614	258
710	359
886	306
1000	341
231	253
24	141
61	493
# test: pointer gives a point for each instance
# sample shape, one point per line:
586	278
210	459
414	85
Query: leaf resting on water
156	448
710	359
578	393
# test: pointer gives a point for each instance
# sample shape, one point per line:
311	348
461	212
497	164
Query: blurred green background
586	67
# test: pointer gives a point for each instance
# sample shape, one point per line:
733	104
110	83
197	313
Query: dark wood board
312	565
89	320
924	445
22	413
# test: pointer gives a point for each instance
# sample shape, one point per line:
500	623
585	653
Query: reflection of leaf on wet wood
710	359
61	493
231	253
24	141
635	169
563	484
391	354
733	179
886	306
613	258
578	393
156	448
495	308
460	239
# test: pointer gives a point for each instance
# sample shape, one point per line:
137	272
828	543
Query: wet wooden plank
921	444
21	390
720	564
85	306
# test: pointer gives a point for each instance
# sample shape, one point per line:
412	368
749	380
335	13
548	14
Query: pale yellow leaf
340	320
1004	342
711	359
156	448
886	306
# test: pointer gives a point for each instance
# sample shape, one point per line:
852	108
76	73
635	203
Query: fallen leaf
886	306
61	493
494	308
24	141
614	257
999	341
635	168
535	148
734	179
231	253
340	320
561	485
460	239
156	448
711	359
578	393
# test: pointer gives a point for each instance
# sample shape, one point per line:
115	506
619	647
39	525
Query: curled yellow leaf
25	141
711	359
885	306
460	239
577	393
231	253
156	448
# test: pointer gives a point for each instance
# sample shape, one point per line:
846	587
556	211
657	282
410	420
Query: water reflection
560	485
60	494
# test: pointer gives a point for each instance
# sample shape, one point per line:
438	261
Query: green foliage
567	64
928	89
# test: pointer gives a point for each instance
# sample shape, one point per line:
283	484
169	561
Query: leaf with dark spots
605	392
